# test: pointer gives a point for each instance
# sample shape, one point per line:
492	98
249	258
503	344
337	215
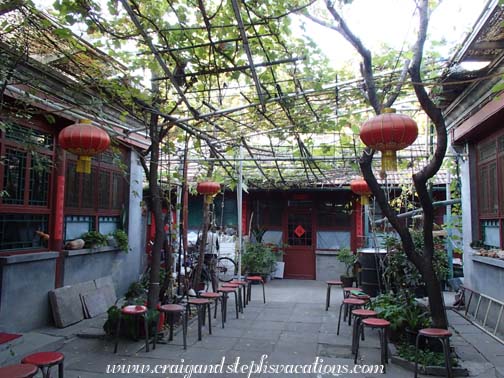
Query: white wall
131	264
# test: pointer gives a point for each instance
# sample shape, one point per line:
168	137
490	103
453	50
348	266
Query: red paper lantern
388	133
85	140
360	187
209	189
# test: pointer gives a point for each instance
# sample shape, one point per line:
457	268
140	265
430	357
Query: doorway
299	241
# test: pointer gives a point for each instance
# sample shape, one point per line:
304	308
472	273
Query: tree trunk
436	300
202	245
153	295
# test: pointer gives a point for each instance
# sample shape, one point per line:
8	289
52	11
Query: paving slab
291	328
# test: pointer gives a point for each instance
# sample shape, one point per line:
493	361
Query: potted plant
258	259
119	239
349	259
94	239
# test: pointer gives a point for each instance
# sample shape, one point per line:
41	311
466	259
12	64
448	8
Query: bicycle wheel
226	269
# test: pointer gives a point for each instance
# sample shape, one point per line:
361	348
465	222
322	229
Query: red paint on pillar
56	242
359	226
244	216
58	209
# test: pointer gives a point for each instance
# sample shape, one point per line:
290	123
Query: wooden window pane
71	186
493	203
104	190
88	189
14	177
76	225
39	180
17	231
501	185
482	190
118	188
487	150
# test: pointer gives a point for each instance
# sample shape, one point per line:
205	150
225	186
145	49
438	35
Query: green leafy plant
130	326
391	307
349	259
401	273
258	258
94	239
403	312
121	239
425	357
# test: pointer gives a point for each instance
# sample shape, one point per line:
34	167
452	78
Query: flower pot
347	281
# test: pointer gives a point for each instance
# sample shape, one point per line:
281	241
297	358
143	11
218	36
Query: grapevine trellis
297	127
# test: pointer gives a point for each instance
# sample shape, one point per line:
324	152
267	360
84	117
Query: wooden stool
45	361
382	326
19	371
330	284
349	304
201	304
360	314
136	311
244	285
225	294
216	297
251	279
443	335
236	286
171	310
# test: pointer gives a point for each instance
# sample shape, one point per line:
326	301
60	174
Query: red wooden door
299	243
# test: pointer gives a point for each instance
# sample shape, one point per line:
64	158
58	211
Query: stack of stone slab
71	304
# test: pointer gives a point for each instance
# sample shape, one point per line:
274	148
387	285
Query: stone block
107	286
66	303
66	306
95	302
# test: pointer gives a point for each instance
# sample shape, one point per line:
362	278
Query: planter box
458	371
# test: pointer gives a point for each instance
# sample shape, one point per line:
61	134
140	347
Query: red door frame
300	260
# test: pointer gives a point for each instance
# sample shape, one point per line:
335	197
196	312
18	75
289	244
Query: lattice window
17	231
490	189
14	177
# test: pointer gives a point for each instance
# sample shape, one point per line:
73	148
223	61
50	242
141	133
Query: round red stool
236	286
171	310
349	304
201	304
360	314
381	325
136	311
216	297
443	335
330	284
45	361
257	279
225	295
19	371
244	285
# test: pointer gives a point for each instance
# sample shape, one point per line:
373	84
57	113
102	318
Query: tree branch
420	179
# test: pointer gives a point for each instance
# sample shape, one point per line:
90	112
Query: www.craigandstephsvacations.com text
244	368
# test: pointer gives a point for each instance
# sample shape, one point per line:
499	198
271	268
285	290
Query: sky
390	21
375	22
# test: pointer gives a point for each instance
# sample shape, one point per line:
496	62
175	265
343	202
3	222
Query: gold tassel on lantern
389	160
83	164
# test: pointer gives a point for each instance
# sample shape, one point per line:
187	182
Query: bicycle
225	269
